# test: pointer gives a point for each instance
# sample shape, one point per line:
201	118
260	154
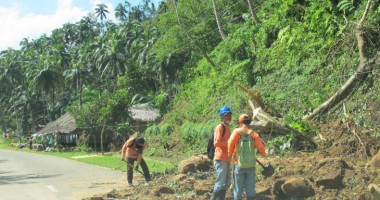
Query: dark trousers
143	165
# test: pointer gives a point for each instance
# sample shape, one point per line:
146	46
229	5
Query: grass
109	161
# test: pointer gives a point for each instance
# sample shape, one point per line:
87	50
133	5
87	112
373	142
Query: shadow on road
22	179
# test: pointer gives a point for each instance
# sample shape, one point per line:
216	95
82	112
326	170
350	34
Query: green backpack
247	151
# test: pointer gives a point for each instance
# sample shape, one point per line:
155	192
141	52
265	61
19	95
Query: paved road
32	176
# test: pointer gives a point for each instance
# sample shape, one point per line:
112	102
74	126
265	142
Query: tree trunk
253	14
191	39
365	67
80	94
101	137
218	21
262	122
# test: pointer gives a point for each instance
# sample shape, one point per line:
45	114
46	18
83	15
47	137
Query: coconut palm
218	21
110	57
121	12
101	10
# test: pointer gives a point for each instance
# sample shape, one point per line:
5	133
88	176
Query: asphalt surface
33	176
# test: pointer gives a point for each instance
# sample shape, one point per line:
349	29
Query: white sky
31	18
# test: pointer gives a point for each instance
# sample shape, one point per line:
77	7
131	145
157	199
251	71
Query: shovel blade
268	171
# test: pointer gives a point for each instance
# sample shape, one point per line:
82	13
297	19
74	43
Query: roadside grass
110	160
5	144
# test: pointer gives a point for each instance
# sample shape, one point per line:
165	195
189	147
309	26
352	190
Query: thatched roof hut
144	114
64	124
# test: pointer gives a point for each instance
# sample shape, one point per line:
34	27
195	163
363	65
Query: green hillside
295	53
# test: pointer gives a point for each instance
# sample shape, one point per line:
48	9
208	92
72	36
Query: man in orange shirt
221	161
133	148
244	176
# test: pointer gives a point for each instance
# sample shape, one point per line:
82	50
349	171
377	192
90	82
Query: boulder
194	163
298	188
331	172
374	190
374	163
333	180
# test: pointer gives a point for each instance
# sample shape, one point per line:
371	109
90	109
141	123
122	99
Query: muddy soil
344	150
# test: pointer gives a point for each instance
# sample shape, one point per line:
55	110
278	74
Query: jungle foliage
296	53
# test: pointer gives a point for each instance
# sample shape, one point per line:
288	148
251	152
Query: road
34	176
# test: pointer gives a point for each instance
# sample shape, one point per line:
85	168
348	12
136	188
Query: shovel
136	170
268	170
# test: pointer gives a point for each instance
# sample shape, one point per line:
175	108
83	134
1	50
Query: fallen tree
366	66
263	122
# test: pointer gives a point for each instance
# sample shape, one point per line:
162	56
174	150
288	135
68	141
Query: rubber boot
221	195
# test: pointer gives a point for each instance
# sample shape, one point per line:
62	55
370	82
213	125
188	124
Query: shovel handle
261	164
132	168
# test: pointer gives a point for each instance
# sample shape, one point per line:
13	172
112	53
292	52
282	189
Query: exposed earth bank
345	166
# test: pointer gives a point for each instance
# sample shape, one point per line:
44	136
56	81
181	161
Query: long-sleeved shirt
221	142
233	142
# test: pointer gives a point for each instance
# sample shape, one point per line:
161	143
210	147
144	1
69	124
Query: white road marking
51	188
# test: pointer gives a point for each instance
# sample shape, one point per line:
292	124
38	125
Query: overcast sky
31	18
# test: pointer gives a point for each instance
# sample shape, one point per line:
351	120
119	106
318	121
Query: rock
374	190
331	172
333	180
195	163
163	190
298	188
374	163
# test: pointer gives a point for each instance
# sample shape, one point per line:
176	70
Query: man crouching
133	149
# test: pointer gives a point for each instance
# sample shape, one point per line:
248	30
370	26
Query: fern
346	5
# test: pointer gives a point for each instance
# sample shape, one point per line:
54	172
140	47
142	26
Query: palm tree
87	29
121	12
218	21
101	11
136	14
78	75
203	52
11	75
110	57
254	16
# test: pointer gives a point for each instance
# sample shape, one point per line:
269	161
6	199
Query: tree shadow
22	179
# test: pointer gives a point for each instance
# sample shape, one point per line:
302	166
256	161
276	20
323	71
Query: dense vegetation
296	53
